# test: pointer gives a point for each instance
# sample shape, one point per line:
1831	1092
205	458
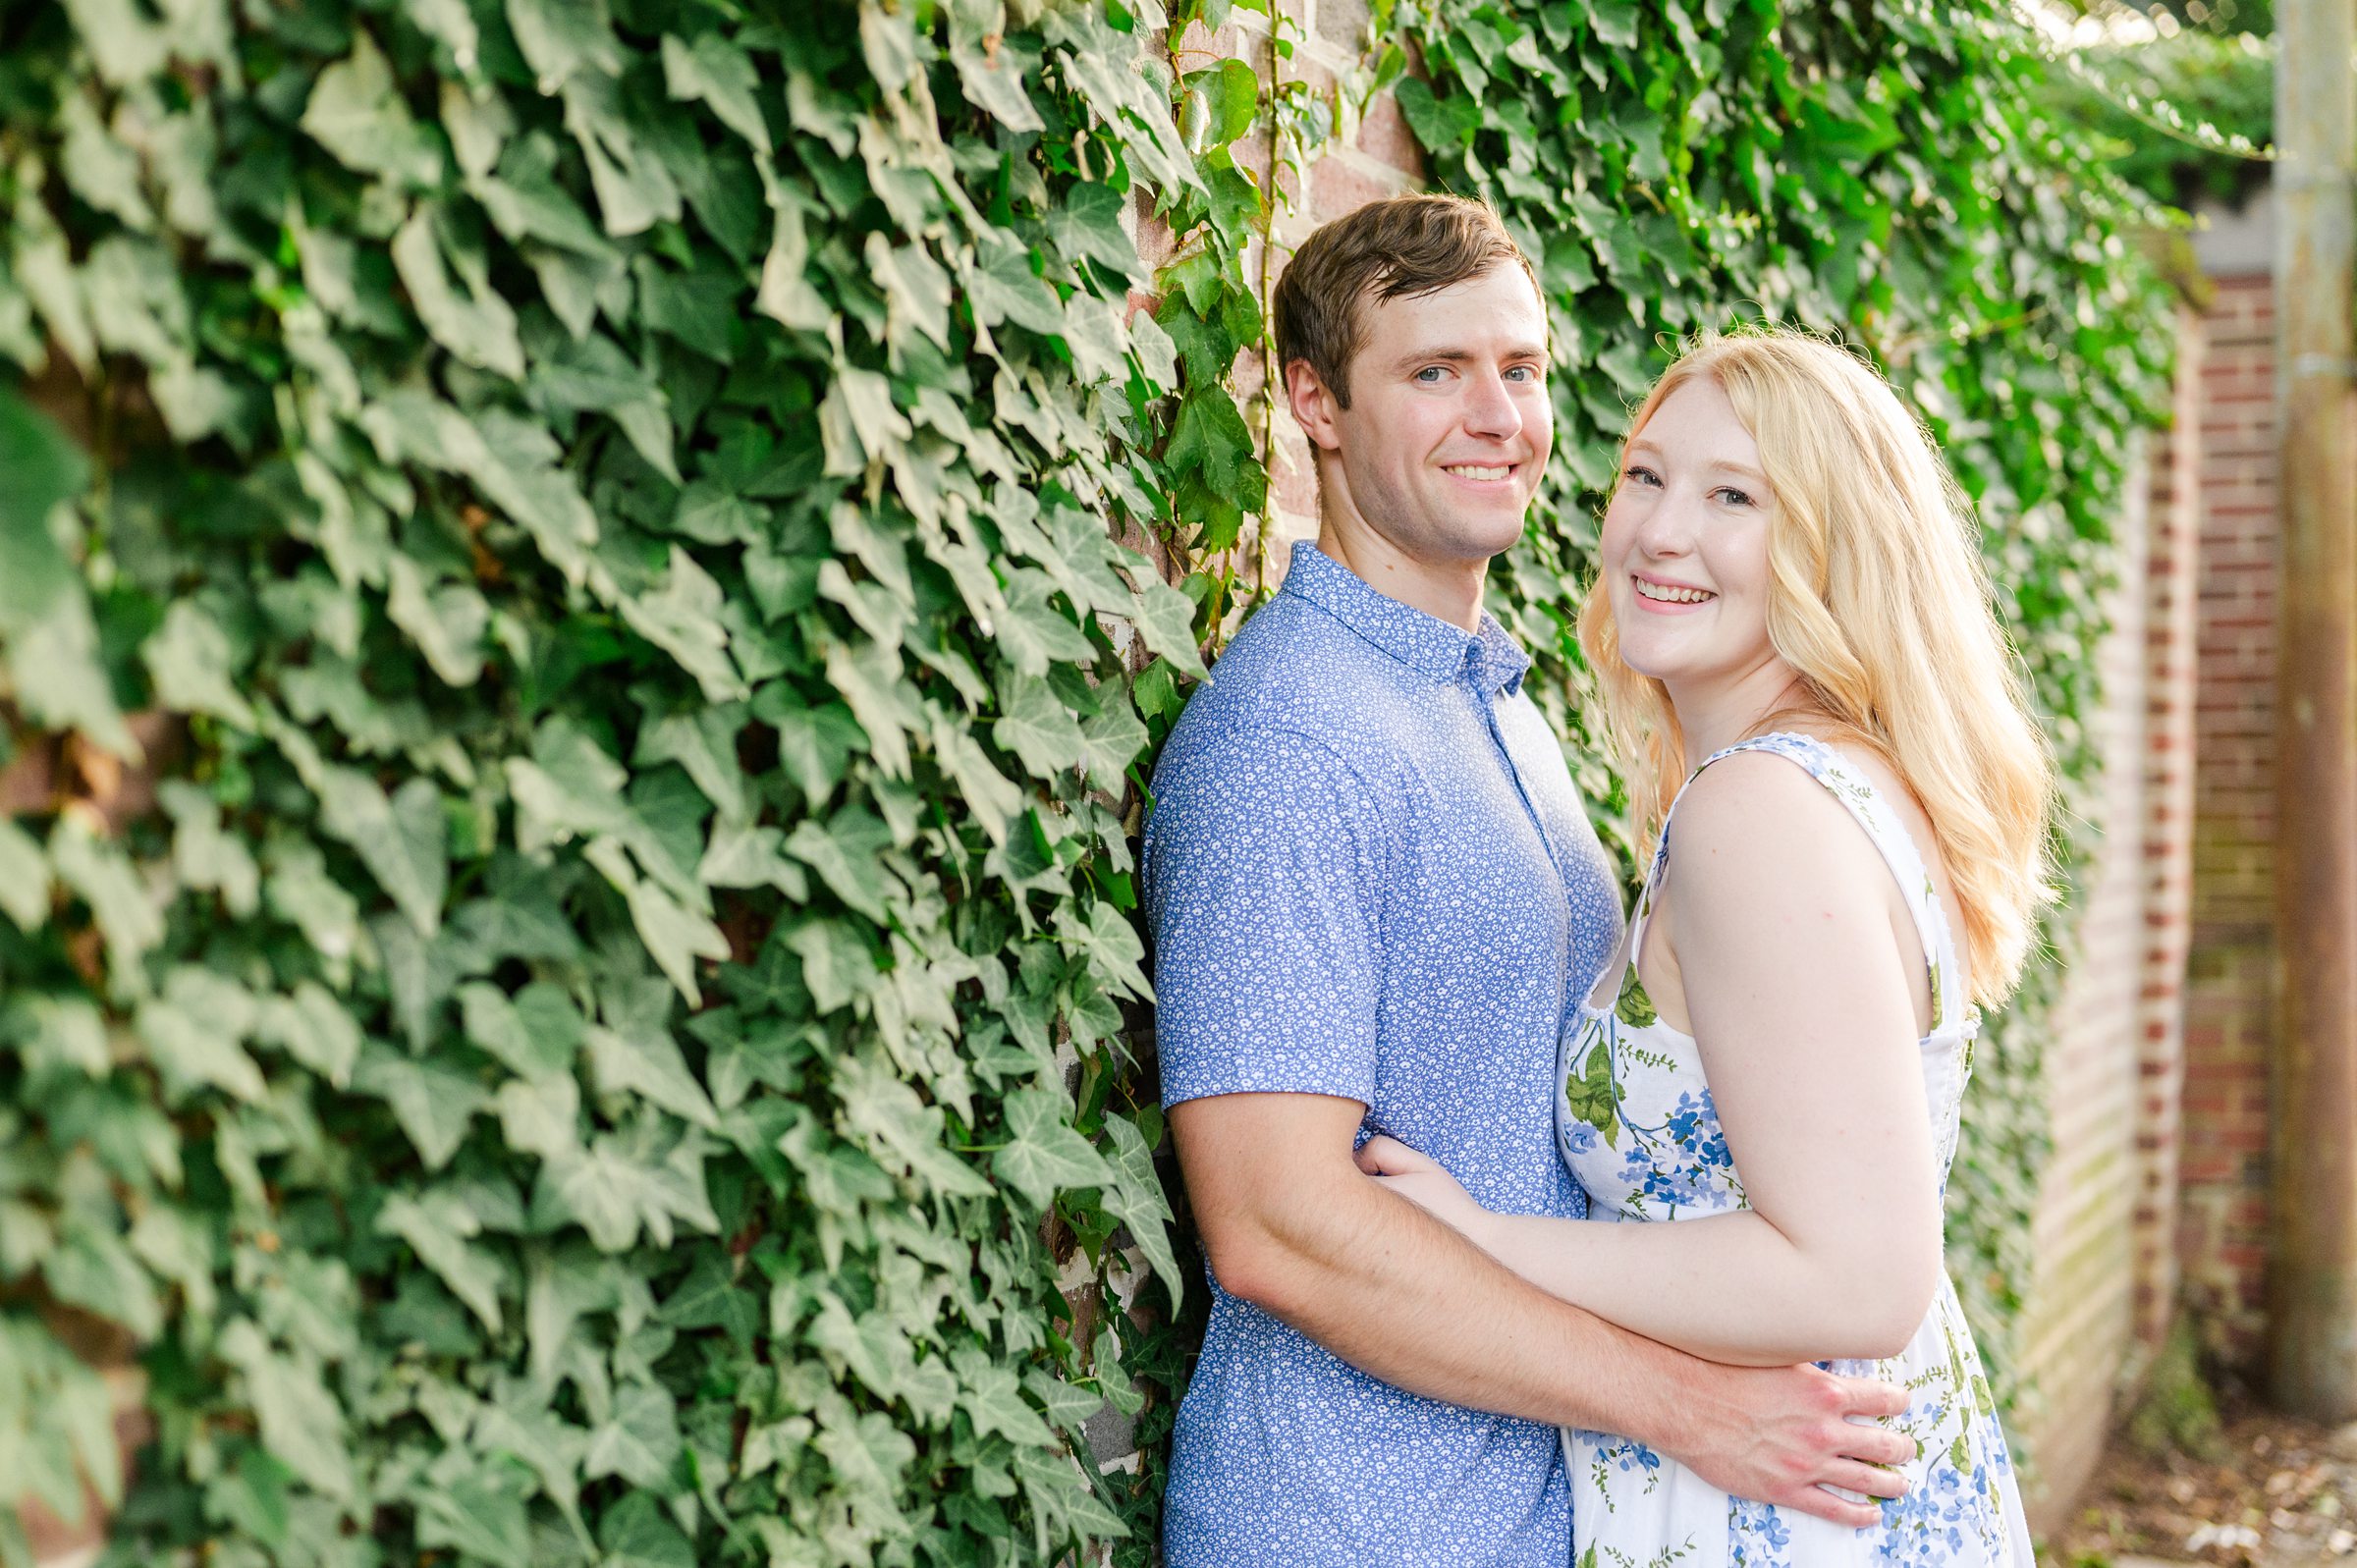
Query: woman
1791	617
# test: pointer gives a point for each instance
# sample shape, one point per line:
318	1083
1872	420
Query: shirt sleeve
1264	862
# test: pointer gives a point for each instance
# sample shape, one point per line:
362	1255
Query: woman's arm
1800	995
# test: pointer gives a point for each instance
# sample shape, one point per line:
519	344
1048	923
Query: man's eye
1430	374
1525	372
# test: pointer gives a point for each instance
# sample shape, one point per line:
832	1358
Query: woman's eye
1640	475
1733	497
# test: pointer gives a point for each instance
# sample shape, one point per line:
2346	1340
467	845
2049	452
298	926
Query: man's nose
1490	408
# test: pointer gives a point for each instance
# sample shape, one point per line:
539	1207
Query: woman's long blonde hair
1879	602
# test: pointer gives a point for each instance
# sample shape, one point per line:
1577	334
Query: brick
1342	23
1342	181
1383	136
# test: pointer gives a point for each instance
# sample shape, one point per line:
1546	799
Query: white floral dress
1637	1126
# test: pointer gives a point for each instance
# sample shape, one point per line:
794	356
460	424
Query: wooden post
2311	1284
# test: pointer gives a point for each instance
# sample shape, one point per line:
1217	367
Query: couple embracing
1535	1239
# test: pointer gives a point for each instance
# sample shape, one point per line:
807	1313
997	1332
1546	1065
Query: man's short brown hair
1388	250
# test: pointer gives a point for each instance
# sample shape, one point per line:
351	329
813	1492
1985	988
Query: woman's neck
1714	715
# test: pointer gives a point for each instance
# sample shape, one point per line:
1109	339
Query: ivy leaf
1232	93
56	1034
815	744
192	1044
1002	286
314	1028
96	870
634	1535
25	889
719	73
1037	728
1115	738
447	623
355	112
190	660
432	1102
682	617
302	1424
836	965
439	1227
536	1033
1135	1197
1210	441
637	1054
845	853
674	935
992	79
91	1268
860	422
477	326
1062	1501
1042	1155
402	838
540	1116
480	1515
1446	123
993	1399
710	1298
1033	631
871	680
641	1440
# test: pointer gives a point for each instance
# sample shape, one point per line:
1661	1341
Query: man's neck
1449	590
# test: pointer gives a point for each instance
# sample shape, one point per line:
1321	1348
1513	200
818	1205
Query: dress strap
1865	804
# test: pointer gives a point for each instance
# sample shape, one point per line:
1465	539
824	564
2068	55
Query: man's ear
1314	406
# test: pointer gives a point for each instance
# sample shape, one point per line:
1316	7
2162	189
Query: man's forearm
1403	1297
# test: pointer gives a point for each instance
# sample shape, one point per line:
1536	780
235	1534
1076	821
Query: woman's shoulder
1772	810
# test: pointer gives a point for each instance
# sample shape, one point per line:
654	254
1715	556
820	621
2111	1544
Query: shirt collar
1488	658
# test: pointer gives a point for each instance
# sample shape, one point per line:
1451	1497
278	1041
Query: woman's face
1685	547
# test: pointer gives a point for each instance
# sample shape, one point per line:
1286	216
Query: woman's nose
1667	529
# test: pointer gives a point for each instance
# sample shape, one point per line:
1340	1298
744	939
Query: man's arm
1292	1226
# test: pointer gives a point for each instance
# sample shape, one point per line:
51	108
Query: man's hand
1783	1435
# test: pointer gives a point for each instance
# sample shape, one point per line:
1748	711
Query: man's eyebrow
1461	357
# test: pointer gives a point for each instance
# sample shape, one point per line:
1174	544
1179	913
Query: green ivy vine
608	1047
615	1038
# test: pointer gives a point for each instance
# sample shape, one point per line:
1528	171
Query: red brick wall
2171	691
2230	998
2078	1325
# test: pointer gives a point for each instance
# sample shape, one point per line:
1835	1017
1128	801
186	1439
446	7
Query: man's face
1450	422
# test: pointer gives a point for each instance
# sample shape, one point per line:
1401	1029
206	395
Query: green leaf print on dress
1635	1007
1593	1096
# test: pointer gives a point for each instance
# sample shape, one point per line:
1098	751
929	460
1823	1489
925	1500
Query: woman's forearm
1730	1289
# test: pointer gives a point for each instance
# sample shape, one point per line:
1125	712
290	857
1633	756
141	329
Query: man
1374	891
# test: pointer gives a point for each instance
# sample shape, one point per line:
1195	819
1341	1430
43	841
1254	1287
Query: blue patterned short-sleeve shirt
1369	874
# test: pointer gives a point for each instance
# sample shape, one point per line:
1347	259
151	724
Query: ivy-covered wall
595	526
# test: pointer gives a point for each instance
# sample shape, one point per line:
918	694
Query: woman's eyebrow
1717	464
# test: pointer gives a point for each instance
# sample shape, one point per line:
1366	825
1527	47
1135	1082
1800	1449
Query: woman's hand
1423	1181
